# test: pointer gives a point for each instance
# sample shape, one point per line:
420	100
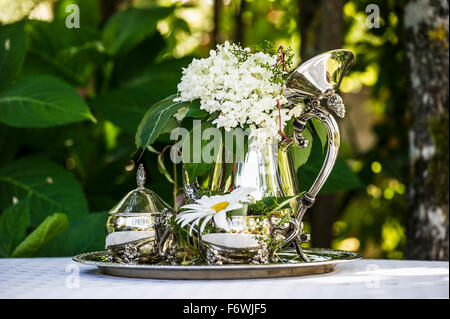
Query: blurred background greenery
127	55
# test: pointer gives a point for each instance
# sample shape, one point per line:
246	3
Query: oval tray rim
351	256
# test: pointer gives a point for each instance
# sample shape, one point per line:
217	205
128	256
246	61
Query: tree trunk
426	25
321	26
308	20
108	8
216	16
332	26
239	30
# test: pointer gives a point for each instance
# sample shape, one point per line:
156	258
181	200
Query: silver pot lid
141	200
319	75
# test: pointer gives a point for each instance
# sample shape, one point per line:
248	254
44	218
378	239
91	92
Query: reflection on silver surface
318	75
250	240
228	248
269	169
289	265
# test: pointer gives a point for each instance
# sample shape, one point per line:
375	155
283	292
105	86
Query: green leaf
342	178
140	58
14	222
152	149
321	131
11	139
195	112
84	234
193	161
170	125
46	231
273	200
69	54
42	101
239	212
155	120
300	155
50	187
127	28
126	107
284	201
12	52
163	76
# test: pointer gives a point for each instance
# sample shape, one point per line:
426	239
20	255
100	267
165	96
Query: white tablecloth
369	278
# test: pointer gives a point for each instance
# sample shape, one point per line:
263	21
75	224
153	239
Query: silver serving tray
322	261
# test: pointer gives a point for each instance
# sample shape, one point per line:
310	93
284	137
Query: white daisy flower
213	207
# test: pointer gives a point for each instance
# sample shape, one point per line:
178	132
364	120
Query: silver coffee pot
270	169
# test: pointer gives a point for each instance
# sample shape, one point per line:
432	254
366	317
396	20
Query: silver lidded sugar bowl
137	227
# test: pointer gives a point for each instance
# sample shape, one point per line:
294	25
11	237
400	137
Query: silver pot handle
293	234
315	111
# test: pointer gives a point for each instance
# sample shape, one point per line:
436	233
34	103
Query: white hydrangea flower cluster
241	91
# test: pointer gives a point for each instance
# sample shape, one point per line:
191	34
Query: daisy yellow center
219	206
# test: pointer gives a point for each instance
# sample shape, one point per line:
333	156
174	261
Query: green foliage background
71	101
